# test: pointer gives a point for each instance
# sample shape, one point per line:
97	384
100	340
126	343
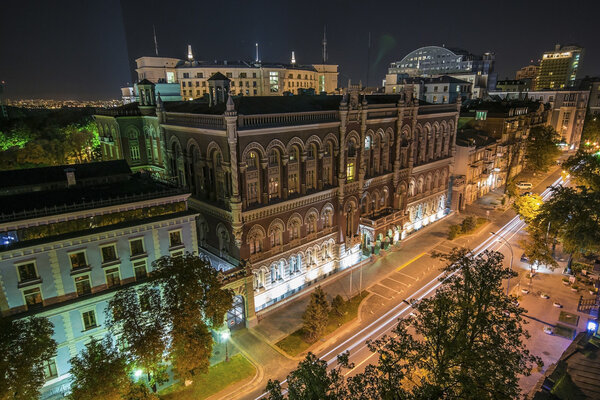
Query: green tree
528	206
337	305
194	302
465	342
591	130
541	148
99	372
585	169
316	315
138	319
573	216
24	346
311	380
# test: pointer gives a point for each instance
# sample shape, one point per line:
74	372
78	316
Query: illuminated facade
435	61
558	68
71	236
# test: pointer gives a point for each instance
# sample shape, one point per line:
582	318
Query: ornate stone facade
295	196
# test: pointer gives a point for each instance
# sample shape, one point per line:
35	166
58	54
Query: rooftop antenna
190	54
155	41
293	58
324	44
368	58
257	59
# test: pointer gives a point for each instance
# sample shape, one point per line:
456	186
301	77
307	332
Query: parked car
524	185
526	193
524	258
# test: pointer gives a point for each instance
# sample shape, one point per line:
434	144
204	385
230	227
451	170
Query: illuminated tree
316	315
528	206
99	372
25	344
194	302
591	131
585	169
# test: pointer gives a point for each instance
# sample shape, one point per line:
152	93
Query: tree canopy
100	371
541	148
464	342
25	345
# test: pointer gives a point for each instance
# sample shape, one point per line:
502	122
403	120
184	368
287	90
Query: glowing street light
138	373
225	337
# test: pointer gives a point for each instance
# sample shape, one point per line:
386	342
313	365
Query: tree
541	148
585	169
311	380
337	305
591	130
573	216
99	372
194	302
25	345
528	206
465	342
138	318
316	315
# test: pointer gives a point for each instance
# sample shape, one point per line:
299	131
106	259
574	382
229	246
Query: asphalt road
383	322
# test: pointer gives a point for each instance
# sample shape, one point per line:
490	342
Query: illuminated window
112	277
27	272
170	77
367	142
33	297
350	172
109	253
273	187
136	246
274	81
78	260
175	238
82	285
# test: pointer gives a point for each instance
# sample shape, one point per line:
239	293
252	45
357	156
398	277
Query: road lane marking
410	262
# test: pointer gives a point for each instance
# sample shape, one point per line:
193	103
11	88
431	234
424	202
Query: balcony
381	218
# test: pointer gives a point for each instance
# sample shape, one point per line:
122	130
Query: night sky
81	49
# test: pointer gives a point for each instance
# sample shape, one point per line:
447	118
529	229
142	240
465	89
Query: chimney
557	47
70	177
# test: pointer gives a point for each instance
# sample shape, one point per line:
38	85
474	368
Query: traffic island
219	377
295	343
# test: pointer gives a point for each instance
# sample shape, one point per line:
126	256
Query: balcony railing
282	119
196	120
382	218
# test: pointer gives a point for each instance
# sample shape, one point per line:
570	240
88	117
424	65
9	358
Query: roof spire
293	58
324	44
257	59
190	55
230	105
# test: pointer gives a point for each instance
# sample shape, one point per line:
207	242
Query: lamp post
225	336
500	238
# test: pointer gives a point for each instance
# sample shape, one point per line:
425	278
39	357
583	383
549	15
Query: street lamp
225	337
511	257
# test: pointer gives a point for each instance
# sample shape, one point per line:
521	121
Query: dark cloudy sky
81	49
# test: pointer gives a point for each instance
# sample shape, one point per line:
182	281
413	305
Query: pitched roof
145	82
217	76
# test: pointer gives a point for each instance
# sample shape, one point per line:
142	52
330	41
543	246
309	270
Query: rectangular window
175	239
136	246
199	75
27	272
170	77
112	277
50	371
274	81
350	172
82	285
33	297
139	269
78	260
229	75
252	192
273	187
134	148
109	253
89	320
292	183
186	75
178	253
148	150
310	177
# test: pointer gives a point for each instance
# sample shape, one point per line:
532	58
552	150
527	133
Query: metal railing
196	120
281	119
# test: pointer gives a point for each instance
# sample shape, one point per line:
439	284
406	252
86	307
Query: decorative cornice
288	128
289	205
182	128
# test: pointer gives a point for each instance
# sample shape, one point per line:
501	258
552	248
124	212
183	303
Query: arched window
274	158
368	142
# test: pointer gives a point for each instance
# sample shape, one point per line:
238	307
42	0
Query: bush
468	224
337	305
455	230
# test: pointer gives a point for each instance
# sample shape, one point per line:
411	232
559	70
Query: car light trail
358	339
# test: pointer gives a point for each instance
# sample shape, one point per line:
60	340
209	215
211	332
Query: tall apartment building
71	235
566	114
558	68
292	189
434	61
528	72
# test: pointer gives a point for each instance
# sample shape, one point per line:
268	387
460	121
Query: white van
524	185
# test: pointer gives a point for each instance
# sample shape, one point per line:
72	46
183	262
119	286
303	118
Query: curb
258	377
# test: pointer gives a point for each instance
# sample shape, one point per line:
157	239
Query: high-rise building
558	68
435	61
